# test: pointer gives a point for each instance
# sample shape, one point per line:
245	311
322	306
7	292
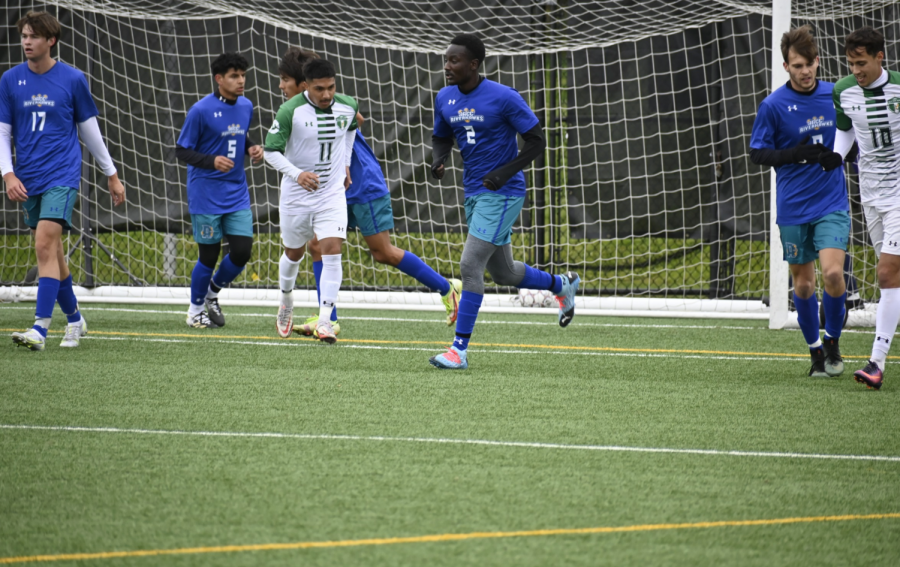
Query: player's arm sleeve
280	163
350	140
762	141
249	143
534	146
89	131
6	161
843	141
441	146
195	158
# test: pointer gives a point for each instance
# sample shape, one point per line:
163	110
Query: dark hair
802	42
292	63
473	45
228	61
867	38
318	69
42	24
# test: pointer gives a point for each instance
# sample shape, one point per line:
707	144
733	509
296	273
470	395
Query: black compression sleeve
190	157
440	151
772	158
534	145
248	143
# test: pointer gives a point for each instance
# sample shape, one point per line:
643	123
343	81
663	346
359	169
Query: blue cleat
566	298
453	359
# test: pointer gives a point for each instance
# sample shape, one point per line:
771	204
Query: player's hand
256	153
830	160
489	184
807	153
308	180
116	190
347	180
223	164
14	188
437	171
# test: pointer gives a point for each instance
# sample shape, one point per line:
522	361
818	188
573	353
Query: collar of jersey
807	93
481	79
880	81
223	99
316	106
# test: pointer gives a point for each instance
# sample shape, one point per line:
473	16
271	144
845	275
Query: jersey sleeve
763	135
280	132
82	100
6	104
190	132
441	128
842	121
517	113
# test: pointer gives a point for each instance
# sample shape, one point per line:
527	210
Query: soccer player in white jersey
868	111
311	143
45	105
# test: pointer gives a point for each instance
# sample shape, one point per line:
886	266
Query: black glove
830	160
806	153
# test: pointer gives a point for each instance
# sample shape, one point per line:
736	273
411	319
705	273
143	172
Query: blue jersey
485	123
785	119
368	181
44	112
215	127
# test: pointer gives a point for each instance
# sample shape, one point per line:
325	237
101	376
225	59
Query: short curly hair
228	61
292	63
867	38
473	45
318	69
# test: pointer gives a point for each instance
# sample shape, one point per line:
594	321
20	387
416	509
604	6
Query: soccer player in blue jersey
484	117
45	105
368	207
216	132
794	132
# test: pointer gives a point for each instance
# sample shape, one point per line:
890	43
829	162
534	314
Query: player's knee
888	275
209	254
833	276
390	255
504	277
240	249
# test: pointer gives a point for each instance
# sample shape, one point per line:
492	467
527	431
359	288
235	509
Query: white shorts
297	230
884	229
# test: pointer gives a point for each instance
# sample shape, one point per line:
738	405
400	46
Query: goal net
645	189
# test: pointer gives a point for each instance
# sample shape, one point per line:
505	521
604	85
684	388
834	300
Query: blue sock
469	304
227	272
539	279
200	278
317	272
412	265
834	314
808	317
67	300
48	289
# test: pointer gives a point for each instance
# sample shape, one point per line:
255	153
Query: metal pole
87	222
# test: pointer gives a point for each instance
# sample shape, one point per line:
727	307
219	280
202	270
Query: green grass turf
71	492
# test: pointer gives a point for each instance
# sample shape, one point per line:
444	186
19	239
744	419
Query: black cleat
214	312
817	370
871	376
834	364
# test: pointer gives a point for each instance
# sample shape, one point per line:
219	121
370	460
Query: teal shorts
491	216
802	242
55	203
209	229
372	217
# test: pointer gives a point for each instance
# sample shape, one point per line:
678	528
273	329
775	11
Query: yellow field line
444	343
441	538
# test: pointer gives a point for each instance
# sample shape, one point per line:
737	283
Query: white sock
816	344
287	274
210	294
43	322
195	310
329	285
886	319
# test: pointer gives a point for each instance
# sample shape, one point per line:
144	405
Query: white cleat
30	338
74	332
325	332
284	324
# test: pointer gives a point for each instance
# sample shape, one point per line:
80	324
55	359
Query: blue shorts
372	217
491	216
209	229
802	242
54	203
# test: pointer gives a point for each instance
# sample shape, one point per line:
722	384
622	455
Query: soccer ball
534	298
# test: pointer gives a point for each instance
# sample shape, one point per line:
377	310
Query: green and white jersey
874	114
314	140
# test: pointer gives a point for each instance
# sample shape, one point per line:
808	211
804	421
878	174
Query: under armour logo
309	124
458	340
790	107
891	243
217	114
481	230
886	340
21	83
451	101
855	107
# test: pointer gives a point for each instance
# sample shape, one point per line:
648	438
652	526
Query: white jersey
315	140
874	114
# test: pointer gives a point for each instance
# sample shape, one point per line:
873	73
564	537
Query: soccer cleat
214	312
871	376
200	321
834	363
30	338
817	370
284	323
451	300
74	332
325	332
566	298
308	328
453	359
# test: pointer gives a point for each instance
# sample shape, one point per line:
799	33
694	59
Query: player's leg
800	254
208	236
330	227
308	327
296	231
76	326
238	229
831	234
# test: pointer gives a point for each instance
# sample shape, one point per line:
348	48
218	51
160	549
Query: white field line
446	441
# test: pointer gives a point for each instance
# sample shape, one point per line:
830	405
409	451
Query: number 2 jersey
874	113
214	126
315	140
44	112
787	118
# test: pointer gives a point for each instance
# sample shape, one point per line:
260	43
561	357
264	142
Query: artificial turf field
549	430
